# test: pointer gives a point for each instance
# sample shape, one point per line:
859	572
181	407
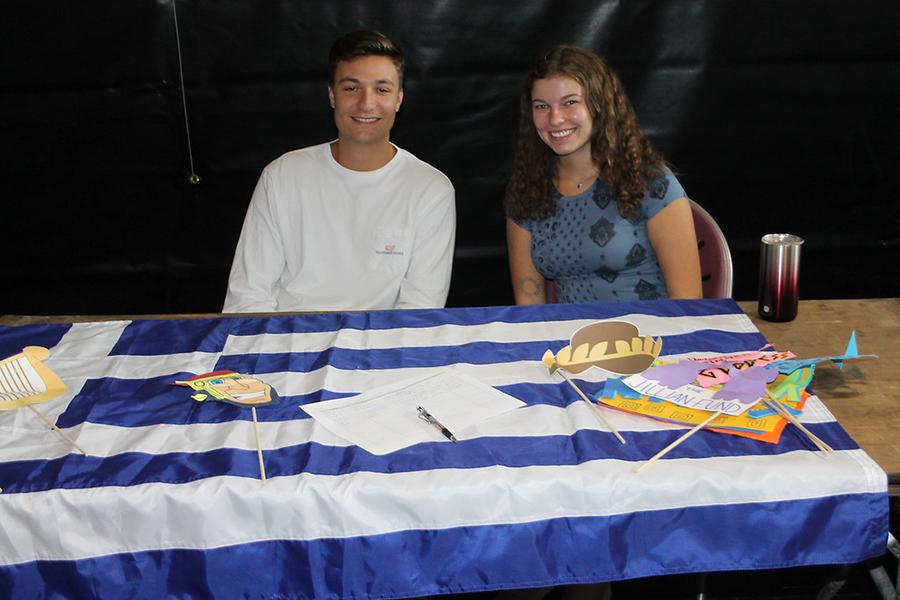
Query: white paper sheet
385	419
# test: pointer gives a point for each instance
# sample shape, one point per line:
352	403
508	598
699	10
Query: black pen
426	416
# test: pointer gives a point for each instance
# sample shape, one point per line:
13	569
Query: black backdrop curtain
778	116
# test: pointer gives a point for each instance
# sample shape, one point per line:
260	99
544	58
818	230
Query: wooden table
865	394
540	496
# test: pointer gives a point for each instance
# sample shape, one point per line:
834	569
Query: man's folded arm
258	259
427	280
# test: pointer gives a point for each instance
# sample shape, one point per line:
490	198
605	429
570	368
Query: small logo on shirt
390	249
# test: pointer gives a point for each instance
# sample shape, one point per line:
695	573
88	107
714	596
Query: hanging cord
193	178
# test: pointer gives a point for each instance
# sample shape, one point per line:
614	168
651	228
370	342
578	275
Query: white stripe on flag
449	335
108	520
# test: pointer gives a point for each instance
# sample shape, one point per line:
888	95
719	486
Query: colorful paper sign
759	422
730	385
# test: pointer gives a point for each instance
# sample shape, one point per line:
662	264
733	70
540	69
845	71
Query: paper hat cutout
24	379
614	346
231	387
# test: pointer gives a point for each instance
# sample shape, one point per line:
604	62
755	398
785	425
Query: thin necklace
589	176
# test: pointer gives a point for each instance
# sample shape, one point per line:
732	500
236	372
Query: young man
357	223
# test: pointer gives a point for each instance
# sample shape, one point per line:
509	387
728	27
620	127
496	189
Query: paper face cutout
727	386
231	387
614	346
24	379
240	390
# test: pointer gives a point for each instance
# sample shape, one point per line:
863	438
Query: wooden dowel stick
59	431
665	450
262	467
819	443
784	412
594	408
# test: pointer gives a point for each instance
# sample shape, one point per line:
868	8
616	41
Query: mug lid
784	239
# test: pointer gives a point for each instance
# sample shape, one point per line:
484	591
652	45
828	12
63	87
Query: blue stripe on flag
154	401
134	468
481	558
154	337
476	353
14	339
147	402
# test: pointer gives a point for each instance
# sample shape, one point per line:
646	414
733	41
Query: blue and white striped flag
168	501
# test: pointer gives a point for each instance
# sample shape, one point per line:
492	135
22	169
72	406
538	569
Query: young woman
591	204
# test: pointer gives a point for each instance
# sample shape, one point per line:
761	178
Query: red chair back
715	256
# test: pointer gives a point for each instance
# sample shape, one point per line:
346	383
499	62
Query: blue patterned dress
593	253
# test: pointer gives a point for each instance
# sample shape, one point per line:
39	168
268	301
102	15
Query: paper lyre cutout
238	389
614	346
25	380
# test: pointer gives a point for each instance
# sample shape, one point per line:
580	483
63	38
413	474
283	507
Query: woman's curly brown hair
624	156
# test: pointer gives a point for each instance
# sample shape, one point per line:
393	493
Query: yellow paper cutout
614	346
24	379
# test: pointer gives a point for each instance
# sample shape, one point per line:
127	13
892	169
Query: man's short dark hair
364	43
